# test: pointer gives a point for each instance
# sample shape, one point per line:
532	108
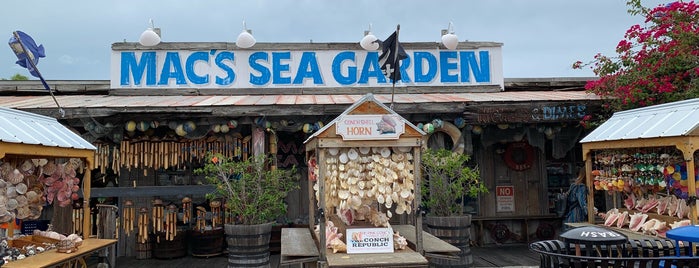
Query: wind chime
78	216
186	210
201	218
158	211
215	213
129	215
171	222
143	225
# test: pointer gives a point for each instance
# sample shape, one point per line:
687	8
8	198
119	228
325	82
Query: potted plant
448	181
253	191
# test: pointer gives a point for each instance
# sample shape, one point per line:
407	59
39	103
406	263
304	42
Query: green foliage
656	62
448	179
252	191
19	77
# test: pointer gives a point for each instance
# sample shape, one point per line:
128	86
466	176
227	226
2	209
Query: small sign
505	198
370	240
370	127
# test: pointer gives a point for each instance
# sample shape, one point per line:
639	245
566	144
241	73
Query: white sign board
370	240
370	127
505	198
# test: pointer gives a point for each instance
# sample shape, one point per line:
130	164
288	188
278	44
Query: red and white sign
505	198
370	240
370	127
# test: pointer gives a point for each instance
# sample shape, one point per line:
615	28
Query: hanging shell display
361	183
21	189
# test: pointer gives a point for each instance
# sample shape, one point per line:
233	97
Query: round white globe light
245	40
450	41
149	38
369	42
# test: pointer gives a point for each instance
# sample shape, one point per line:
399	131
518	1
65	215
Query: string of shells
365	180
25	185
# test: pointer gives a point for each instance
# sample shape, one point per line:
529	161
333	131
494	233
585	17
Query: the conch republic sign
297	68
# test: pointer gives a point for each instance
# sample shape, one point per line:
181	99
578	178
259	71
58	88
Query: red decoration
519	156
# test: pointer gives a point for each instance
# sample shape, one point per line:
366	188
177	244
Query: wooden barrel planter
455	230
248	245
165	249
144	250
208	243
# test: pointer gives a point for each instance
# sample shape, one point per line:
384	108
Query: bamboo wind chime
228	217
158	217
78	216
129	215
143	226
171	223
215	213
201	219
186	210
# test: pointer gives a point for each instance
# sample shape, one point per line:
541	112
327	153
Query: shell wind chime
142	226
215	213
201	219
158	211
171	223
129	215
186	210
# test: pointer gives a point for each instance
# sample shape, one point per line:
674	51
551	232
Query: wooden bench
433	246
298	247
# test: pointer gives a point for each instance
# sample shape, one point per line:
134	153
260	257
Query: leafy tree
657	62
19	77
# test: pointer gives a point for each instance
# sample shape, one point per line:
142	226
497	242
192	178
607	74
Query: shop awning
659	121
77	106
26	128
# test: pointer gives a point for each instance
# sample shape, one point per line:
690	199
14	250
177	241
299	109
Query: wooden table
52	258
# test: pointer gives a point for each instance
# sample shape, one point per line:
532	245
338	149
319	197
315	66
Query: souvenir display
143	225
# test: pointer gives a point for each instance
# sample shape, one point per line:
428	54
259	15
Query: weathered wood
400	258
152	191
298	242
51	258
431	244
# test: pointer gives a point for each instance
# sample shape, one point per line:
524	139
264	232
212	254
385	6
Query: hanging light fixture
449	39
369	42
149	37
245	38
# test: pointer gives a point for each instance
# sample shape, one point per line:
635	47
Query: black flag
391	56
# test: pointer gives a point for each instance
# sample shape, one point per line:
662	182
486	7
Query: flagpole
31	61
397	66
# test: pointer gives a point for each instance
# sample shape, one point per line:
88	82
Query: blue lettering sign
469	62
371	68
447	62
220	62
172	68
129	66
351	77
424	60
189	67
265	74
308	68
278	68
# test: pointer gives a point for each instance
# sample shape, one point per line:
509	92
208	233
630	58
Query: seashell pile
62	183
359	180
21	190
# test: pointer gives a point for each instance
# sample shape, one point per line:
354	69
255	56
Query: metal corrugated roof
97	101
28	128
665	120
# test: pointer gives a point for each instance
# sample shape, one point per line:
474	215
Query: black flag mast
397	66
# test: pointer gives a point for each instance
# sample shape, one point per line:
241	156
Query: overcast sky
541	38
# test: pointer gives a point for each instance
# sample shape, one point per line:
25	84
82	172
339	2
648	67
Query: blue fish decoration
26	50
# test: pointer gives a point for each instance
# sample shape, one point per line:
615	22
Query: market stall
365	177
645	159
39	161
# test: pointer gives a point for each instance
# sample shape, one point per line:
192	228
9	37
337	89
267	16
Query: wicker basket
66	246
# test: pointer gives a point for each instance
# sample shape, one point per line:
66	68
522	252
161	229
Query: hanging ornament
158	217
186	209
215	213
201	219
128	214
228	216
78	217
171	222
142	226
